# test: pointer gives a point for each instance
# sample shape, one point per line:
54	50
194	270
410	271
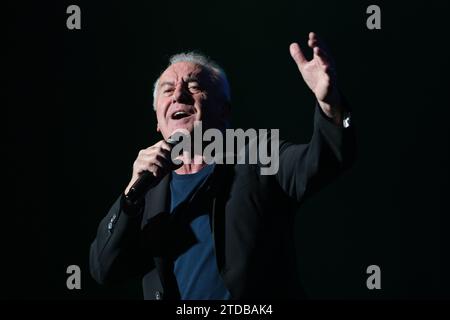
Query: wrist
334	111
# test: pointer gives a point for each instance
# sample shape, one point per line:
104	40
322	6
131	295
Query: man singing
220	230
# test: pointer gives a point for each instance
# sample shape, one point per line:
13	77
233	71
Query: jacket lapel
220	191
156	200
157	207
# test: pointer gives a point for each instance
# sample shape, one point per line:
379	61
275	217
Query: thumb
177	162
297	54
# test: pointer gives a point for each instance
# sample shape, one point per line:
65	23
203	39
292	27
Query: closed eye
167	91
194	88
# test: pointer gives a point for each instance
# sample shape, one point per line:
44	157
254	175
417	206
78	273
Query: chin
183	127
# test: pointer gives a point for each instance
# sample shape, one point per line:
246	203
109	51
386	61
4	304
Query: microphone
146	179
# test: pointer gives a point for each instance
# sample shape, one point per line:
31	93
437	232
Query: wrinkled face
187	93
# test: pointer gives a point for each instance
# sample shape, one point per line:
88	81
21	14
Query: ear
157	127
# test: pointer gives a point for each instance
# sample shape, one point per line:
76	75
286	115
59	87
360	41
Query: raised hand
320	76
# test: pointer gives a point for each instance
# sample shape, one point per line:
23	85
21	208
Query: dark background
80	107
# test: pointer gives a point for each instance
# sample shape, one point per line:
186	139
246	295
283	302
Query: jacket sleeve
116	252
305	168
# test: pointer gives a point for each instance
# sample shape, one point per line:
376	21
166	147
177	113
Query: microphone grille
172	141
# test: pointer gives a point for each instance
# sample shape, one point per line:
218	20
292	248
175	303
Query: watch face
347	121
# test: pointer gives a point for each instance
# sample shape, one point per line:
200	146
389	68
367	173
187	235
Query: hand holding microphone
151	165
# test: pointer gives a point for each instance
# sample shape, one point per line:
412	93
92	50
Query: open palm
318	73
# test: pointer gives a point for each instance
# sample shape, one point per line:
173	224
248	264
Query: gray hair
197	58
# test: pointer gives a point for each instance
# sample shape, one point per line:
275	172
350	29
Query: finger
155	161
160	144
164	152
178	162
321	56
160	147
297	54
159	170
155	169
142	166
313	42
156	145
152	170
150	151
166	146
316	41
163	160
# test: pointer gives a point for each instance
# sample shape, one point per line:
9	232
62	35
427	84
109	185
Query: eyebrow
166	83
187	80
191	79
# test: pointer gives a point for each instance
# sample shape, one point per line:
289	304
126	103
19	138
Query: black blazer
252	222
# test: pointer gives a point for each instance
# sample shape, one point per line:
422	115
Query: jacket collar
159	198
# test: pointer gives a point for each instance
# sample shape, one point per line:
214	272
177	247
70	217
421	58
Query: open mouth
180	115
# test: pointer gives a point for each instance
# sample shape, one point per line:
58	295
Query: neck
192	166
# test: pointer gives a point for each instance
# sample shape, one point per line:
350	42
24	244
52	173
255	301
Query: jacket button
111	223
157	295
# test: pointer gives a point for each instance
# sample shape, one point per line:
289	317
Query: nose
181	94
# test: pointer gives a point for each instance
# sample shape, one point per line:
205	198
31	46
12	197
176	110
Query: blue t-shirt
196	269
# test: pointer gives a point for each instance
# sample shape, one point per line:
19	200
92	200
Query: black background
80	107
